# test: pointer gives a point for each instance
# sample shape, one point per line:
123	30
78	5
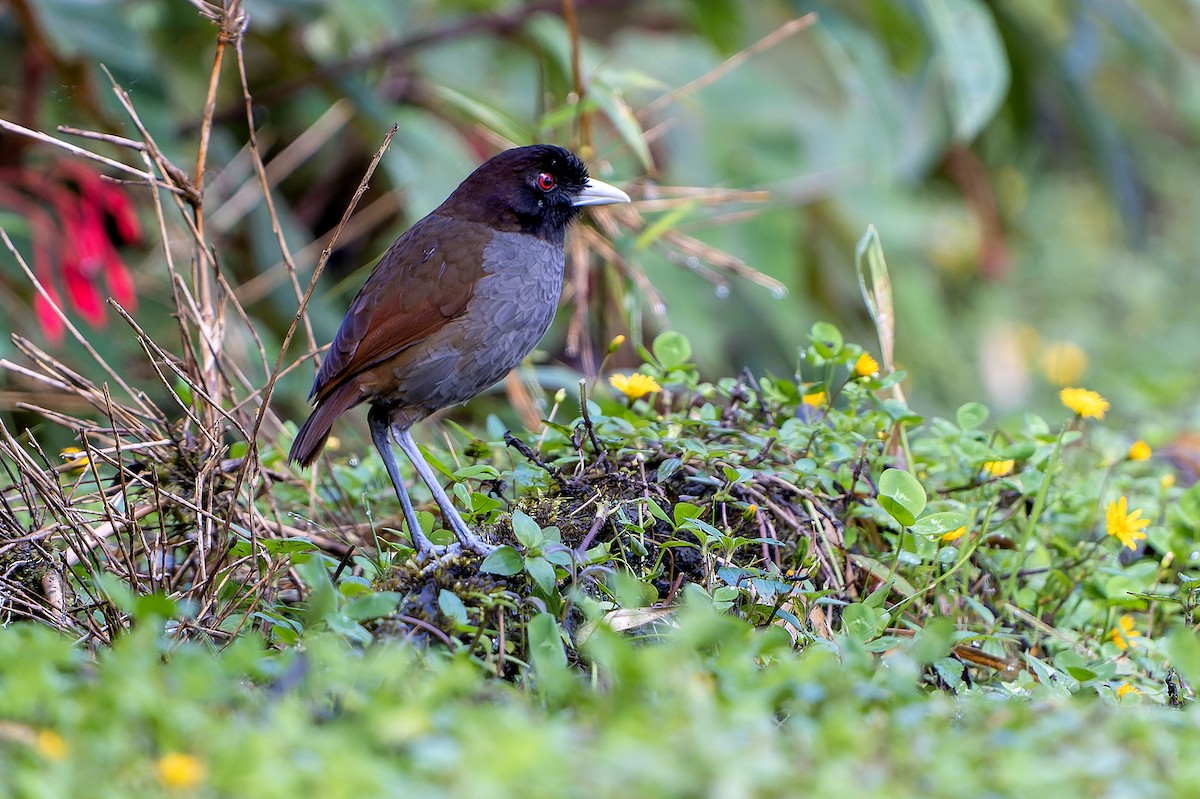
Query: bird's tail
315	430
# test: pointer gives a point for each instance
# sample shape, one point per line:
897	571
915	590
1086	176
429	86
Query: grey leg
463	533
378	422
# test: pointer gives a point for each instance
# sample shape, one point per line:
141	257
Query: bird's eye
546	181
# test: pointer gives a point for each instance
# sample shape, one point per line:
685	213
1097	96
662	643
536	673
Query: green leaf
452	606
950	671
684	511
504	561
1073	664
372	606
1020	451
933	642
664	223
668	468
284	546
322	596
826	339
542	573
486	115
546	648
901	495
624	122
719	21
973	62
876	598
629	591
527	530
935	525
1184	648
656	510
560	556
861	622
154	606
971	415
481	471
1189	505
671	349
869	262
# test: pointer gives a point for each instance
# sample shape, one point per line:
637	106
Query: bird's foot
430	559
432	555
477	545
469	541
432	550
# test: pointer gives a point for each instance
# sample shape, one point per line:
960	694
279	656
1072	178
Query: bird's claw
434	555
476	545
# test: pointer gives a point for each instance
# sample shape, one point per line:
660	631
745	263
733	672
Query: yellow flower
1139	451
998	468
50	745
1126	689
1063	363
1084	403
865	366
815	400
953	535
1126	527
615	344
1167	481
76	459
1123	634
178	770
635	386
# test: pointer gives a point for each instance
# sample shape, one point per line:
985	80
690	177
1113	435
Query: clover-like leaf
901	495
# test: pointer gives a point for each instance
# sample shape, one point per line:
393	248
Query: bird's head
538	189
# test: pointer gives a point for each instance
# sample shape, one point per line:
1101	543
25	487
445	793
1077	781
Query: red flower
48	319
76	220
120	214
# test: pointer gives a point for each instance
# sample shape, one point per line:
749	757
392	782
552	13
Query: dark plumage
459	300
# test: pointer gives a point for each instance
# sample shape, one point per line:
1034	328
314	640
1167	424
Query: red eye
546	181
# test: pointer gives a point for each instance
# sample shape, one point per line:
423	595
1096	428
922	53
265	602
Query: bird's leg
463	533
378	422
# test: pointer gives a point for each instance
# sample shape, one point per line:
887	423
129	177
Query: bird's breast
522	282
514	303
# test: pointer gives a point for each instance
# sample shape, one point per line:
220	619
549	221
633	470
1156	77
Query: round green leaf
861	622
826	339
671	349
971	415
901	495
935	525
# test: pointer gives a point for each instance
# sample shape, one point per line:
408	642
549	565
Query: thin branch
20	130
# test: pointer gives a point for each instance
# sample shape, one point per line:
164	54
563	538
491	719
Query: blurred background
1030	165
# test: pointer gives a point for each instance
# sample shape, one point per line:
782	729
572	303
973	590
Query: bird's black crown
531	189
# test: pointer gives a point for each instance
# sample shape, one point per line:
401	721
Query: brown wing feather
412	292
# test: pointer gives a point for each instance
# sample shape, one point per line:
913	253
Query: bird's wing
422	282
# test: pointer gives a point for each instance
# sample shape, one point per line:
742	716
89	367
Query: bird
452	306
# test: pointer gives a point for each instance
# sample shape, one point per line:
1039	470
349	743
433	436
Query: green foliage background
1078	118
1030	168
